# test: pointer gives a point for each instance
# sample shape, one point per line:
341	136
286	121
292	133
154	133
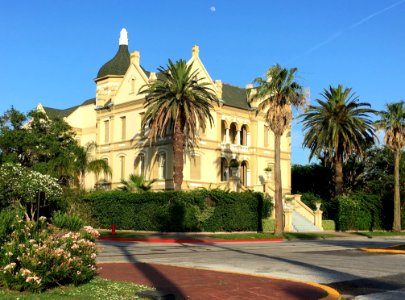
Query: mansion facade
113	121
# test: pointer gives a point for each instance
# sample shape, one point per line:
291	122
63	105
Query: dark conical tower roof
119	64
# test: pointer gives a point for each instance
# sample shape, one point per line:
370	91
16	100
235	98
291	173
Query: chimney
218	85
135	57
195	51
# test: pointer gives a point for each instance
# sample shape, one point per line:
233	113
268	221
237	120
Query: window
106	131
122	167
266	136
224	170
162	166
140	165
123	128
105	173
195	167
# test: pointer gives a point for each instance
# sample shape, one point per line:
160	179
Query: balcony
234	148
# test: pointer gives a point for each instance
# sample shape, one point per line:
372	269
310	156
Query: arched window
224	170
139	165
244	173
162	165
233	133
244	135
122	167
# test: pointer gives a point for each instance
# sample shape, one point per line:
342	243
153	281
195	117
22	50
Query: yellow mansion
113	121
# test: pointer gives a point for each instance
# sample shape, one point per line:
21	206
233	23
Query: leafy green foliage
136	184
328	225
337	128
47	146
198	210
359	211
8	217
65	221
179	102
36	257
20	186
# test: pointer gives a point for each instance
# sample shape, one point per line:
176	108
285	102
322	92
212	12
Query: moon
213	9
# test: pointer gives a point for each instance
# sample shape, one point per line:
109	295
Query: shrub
207	210
8	217
310	199
358	211
65	221
21	185
36	257
328	225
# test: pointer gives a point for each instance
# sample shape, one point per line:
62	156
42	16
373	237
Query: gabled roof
234	96
63	113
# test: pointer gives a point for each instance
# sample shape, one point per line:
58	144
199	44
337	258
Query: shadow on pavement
155	278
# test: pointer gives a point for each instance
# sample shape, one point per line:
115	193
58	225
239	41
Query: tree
392	121
177	103
337	128
84	164
47	146
276	94
136	184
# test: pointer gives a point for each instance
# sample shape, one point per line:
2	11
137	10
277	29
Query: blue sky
51	50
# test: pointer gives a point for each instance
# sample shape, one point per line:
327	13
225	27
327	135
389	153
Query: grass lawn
221	236
97	288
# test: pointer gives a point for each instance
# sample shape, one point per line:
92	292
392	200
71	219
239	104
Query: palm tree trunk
178	160
278	187
396	226
339	175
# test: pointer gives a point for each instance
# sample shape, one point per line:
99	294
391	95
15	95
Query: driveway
334	262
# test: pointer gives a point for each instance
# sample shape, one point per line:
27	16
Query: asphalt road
334	262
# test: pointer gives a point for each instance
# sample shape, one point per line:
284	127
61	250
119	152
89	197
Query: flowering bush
39	256
21	184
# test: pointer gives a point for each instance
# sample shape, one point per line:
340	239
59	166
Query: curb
188	241
332	294
381	250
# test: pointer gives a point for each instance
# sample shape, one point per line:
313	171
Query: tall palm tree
392	121
276	94
177	102
338	127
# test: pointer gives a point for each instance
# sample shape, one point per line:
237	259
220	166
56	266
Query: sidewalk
195	284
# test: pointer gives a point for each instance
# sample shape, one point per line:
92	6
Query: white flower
9	266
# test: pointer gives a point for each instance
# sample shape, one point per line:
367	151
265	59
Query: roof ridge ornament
123	37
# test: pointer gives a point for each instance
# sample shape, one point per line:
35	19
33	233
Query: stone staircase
302	224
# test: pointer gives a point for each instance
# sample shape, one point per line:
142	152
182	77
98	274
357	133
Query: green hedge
328	225
198	210
359	211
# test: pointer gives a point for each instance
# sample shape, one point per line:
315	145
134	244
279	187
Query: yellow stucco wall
123	93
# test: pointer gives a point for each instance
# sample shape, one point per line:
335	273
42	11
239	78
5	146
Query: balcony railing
235	147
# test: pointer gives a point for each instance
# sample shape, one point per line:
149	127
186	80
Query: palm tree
83	163
136	183
276	94
392	121
337	128
178	102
